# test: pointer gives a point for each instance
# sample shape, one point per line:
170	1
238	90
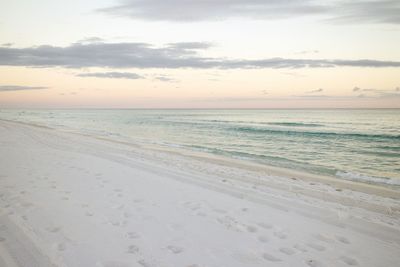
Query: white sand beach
73	200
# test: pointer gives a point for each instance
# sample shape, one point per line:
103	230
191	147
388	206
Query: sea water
360	145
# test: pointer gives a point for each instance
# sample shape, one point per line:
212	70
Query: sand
72	200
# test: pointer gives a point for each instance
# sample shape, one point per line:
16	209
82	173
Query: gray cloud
315	91
165	79
143	55
6	88
372	11
377	93
358	89
112	75
93	39
375	11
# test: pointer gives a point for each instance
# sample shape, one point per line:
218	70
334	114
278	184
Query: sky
200	54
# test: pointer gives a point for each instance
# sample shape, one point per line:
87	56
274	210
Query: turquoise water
361	145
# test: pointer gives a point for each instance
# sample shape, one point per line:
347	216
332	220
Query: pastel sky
200	54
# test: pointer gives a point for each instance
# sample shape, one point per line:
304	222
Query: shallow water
361	145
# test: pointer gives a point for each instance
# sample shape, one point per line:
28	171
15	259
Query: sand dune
73	200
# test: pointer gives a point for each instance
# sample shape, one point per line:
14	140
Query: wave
295	124
393	148
319	134
291	124
366	179
243	155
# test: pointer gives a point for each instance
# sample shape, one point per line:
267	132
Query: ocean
358	145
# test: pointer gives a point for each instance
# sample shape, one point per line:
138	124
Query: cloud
7	44
165	79
7	88
112	75
307	52
377	93
93	39
315	91
170	56
370	11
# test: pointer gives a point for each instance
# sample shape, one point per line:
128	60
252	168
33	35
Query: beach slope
73	200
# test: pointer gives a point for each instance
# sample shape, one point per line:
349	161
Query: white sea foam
366	179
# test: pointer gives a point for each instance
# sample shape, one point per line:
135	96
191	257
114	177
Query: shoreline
280	172
73	200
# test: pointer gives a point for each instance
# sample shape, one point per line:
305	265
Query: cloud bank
112	75
6	88
344	11
170	56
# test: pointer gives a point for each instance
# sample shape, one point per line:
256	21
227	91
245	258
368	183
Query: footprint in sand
193	206
115	223
27	204
265	225
287	251
220	211
280	234
349	261
300	248
128	214
251	229
89	214
144	263
316	246
133	235
61	247
314	263
53	229
132	249
176	227
324	238
263	239
175	249
343	239
270	257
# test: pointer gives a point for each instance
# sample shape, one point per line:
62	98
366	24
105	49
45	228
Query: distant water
360	145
